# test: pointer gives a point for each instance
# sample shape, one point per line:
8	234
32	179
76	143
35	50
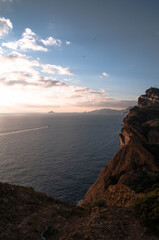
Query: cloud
25	81
27	42
67	42
18	66
17	82
5	26
1	50
23	63
28	72
104	74
72	80
41	82
114	104
48	83
28	33
82	90
52	69
17	78
39	106
75	96
51	41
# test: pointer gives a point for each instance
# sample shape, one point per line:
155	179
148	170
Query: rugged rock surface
106	211
136	164
29	215
150	98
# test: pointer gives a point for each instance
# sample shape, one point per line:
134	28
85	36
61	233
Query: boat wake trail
22	131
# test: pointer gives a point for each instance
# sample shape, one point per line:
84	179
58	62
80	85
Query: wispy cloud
17	82
82	90
72	80
104	74
48	83
108	103
51	41
67	42
5	26
52	69
42	82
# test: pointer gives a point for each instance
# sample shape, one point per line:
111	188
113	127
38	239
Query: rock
150	98
136	164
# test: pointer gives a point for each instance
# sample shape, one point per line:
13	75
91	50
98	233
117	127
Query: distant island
51	112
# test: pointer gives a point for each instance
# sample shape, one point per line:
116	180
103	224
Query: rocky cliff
136	164
107	209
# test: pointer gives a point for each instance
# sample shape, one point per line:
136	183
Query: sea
58	154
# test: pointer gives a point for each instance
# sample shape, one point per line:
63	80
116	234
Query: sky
77	55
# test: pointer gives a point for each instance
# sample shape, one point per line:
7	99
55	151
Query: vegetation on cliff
146	208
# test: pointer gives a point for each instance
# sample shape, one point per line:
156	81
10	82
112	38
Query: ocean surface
58	154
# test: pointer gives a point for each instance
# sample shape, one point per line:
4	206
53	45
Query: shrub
146	208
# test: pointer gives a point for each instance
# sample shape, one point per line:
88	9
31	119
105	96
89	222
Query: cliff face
136	164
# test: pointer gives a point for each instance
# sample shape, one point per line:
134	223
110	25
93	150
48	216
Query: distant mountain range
106	111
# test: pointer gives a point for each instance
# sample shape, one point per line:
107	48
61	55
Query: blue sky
71	55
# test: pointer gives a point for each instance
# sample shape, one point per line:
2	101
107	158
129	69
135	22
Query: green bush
146	208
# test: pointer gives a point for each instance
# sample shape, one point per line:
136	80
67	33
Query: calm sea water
59	154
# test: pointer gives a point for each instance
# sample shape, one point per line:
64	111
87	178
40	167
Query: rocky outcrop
136	164
150	98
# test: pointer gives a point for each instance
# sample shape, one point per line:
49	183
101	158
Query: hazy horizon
47	112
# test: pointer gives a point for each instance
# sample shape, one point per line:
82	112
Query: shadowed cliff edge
121	203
